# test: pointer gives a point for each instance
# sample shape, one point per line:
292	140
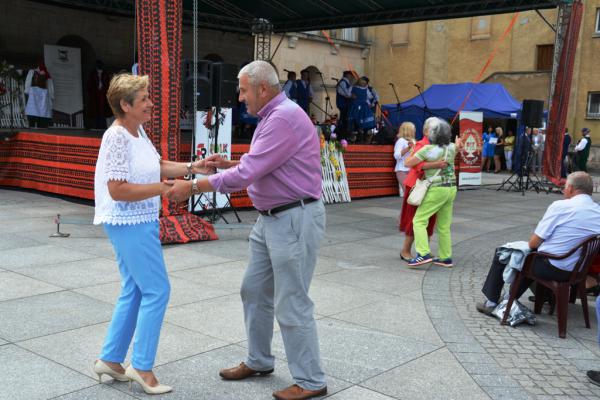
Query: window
349	34
593	107
545	57
481	27
597	26
400	34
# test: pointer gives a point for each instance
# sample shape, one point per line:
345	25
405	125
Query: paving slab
182	292
359	393
50	313
354	353
99	246
401	317
99	392
393	281
178	257
384	329
225	276
27	376
222	318
386	212
14	286
333	298
230	250
197	378
79	348
347	233
436	375
14	259
12	241
326	265
76	274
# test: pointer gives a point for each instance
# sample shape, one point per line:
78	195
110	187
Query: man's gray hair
260	71
581	182
438	131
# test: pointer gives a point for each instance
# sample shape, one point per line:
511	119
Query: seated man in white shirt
565	224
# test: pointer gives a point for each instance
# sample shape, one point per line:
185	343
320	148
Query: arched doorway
88	64
320	95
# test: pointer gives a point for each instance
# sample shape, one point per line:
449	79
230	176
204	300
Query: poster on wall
205	146
64	65
469	158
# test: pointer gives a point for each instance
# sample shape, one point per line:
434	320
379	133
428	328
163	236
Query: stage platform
63	162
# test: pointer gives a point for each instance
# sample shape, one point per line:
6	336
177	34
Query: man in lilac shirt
282	173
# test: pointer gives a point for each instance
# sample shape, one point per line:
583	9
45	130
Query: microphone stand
327	98
426	111
320	109
398	106
425	108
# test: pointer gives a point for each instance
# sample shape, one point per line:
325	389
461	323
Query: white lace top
133	159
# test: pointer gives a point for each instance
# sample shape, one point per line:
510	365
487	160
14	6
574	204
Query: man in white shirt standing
582	150
565	224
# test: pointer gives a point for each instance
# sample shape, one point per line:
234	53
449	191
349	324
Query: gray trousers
283	255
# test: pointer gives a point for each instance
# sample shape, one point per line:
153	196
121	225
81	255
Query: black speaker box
224	84
532	113
204	90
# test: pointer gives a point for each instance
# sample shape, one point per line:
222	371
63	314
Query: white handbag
418	192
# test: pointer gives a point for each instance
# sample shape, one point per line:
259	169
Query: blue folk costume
303	94
488	148
361	115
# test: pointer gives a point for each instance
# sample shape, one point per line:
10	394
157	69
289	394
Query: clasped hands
180	190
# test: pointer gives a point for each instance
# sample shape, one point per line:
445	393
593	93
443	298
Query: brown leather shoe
242	371
295	392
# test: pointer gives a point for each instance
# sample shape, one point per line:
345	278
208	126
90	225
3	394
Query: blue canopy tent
444	100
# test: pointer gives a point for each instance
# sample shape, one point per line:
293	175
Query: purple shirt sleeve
275	143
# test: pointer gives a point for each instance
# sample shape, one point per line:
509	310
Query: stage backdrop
469	158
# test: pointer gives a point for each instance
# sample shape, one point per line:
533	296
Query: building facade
325	56
455	50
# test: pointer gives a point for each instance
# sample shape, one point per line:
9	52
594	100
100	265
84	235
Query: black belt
445	185
284	207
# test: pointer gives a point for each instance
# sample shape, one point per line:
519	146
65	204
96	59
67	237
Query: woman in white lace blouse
127	191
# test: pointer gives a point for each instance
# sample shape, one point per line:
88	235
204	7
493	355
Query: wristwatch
189	168
194	186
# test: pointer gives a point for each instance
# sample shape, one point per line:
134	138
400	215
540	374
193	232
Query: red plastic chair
590	248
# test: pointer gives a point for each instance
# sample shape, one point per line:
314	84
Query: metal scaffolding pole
262	30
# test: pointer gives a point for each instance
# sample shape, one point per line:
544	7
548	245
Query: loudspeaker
224	84
532	113
204	85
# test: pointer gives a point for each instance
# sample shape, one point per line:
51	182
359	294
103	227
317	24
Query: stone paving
386	332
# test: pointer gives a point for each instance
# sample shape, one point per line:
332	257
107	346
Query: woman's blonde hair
407	130
124	87
499	131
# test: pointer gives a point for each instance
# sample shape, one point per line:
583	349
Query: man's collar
274	102
581	196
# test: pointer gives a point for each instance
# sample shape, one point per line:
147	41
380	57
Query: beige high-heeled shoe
133	375
101	368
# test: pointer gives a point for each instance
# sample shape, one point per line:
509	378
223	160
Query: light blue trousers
145	291
283	255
